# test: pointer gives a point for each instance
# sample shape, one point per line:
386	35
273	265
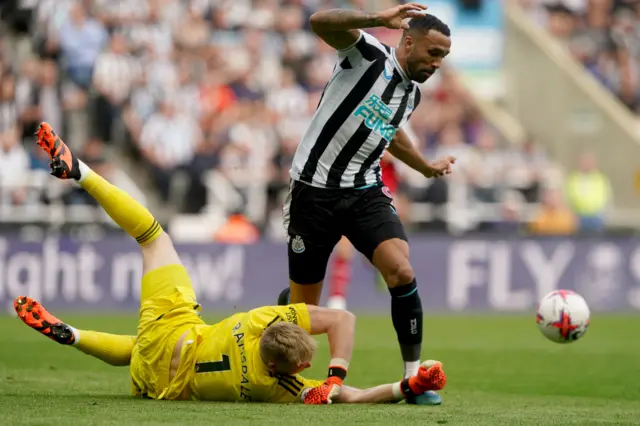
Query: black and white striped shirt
368	98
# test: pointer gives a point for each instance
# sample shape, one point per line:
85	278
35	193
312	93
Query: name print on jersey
377	115
244	390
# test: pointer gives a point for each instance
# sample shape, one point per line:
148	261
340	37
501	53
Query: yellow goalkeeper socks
113	349
130	215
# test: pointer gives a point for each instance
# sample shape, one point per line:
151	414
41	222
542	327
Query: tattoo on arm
341	20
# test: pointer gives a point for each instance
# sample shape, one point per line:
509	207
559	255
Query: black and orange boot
431	376
64	164
420	389
36	316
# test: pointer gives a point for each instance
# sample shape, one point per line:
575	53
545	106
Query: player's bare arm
339	28
339	326
430	377
403	149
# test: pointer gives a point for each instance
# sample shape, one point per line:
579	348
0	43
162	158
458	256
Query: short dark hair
429	22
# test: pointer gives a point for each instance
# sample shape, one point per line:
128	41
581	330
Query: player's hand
440	167
323	394
394	17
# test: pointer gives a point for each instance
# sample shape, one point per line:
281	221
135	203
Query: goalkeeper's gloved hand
330	389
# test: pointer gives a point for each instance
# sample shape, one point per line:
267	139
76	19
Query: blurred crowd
208	99
604	35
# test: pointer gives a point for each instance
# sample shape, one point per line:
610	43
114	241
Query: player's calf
130	215
392	260
111	348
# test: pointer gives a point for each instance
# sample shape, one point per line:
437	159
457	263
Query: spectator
486	169
193	32
553	217
81	41
216	96
50	17
161	73
625	33
603	35
187	92
8	106
114	75
169	141
589	193
15	168
252	143
42	97
237	230
511	212
26	93
231	122
138	109
524	168
152	32
49	98
288	98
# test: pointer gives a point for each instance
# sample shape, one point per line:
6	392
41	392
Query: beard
421	77
420	74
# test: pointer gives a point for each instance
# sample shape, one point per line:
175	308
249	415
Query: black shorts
316	219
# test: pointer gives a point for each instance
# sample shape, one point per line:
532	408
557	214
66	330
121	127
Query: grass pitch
500	368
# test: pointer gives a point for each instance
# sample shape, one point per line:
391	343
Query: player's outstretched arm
339	28
339	326
403	149
430	377
376	395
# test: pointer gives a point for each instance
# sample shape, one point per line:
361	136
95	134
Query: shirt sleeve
261	318
291	388
365	50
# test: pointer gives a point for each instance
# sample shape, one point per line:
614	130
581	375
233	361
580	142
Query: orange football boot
64	164
430	376
420	389
37	317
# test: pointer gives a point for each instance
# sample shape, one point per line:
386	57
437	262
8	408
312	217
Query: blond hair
287	345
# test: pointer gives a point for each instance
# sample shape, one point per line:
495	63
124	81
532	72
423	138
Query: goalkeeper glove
330	389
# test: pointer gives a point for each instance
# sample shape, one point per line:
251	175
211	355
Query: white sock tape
396	388
339	362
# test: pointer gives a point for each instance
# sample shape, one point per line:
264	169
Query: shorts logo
297	245
386	191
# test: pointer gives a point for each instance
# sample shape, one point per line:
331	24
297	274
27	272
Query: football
563	316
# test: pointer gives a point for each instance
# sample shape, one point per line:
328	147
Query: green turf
501	371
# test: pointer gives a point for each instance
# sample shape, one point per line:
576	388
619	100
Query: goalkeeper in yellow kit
249	356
